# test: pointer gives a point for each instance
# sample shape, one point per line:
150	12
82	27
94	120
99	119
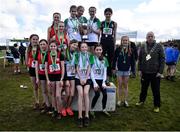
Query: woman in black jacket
121	64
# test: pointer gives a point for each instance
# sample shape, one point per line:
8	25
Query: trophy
84	31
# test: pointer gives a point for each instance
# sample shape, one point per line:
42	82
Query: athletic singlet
40	57
72	28
99	68
107	31
83	63
54	68
60	41
52	32
69	63
31	60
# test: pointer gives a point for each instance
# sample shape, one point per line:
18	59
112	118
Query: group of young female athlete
68	62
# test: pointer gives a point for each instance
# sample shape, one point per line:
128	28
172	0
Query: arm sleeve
65	22
92	76
98	23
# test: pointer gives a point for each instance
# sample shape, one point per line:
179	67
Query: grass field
16	109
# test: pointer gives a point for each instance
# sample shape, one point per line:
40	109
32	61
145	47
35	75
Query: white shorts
16	60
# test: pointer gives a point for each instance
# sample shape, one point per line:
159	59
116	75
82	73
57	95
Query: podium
111	99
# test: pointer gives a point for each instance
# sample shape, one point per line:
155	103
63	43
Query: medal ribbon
124	55
74	24
53	54
107	26
34	49
96	61
62	40
43	57
83	58
152	50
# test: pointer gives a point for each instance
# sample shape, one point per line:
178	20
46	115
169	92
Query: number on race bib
70	70
42	67
97	71
107	31
54	68
33	65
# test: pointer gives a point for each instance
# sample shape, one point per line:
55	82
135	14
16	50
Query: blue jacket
169	55
175	54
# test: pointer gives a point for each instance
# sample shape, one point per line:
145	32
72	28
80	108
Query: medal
106	35
148	57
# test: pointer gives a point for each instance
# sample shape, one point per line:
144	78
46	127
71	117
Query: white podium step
111	99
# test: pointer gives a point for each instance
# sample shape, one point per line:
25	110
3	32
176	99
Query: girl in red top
61	37
54	70
31	63
40	72
54	27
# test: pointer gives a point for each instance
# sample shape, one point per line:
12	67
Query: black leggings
108	51
97	94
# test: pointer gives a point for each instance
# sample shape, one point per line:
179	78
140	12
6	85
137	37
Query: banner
132	34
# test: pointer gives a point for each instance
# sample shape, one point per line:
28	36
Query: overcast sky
21	18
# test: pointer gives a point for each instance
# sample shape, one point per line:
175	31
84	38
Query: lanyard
81	19
43	57
34	49
53	55
106	24
74	24
55	29
152	50
96	61
124	54
62	40
83	58
91	21
69	55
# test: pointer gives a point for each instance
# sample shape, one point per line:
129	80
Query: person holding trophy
93	29
83	23
72	25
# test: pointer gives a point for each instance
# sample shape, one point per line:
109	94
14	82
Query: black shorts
170	63
42	77
77	82
54	77
68	78
92	43
32	72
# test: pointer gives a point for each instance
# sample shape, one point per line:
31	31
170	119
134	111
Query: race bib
97	71
33	65
42	67
70	69
53	68
83	73
107	31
